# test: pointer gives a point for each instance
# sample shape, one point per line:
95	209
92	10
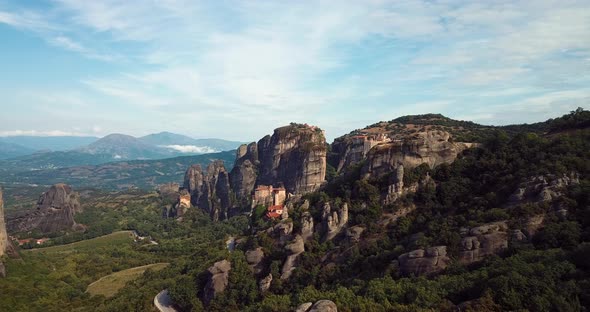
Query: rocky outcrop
254	258
333	220
209	190
282	231
350	150
294	249
320	306
353	234
218	280
306	225
396	185
55	212
264	283
294	157
543	188
432	147
424	261
3	234
244	173
482	241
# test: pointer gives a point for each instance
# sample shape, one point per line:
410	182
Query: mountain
185	144
121	146
53	143
11	150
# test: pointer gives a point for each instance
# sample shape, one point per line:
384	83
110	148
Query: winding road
163	302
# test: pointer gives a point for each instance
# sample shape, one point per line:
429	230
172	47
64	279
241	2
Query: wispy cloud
258	64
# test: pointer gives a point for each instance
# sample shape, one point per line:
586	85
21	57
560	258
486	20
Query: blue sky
238	69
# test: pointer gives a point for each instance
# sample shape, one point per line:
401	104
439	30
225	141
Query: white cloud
193	149
254	65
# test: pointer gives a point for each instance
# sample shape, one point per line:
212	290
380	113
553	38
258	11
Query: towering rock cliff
3	234
430	147
244	173
55	211
294	157
209	190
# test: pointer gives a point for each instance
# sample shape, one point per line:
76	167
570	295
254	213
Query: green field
113	239
109	285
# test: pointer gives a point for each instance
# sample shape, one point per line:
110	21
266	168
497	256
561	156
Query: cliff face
209	190
55	211
294	156
243	175
3	234
430	147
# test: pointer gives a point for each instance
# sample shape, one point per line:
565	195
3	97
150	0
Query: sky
239	69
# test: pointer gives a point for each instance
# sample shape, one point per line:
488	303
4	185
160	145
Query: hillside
11	150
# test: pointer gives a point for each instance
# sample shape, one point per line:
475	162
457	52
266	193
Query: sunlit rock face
293	157
430	147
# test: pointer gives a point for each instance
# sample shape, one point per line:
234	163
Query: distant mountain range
35	153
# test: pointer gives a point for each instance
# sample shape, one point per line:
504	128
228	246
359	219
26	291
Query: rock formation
543	188
264	283
350	150
306	225
209	190
396	185
243	175
294	249
3	236
254	258
55	212
424	261
482	241
333	220
353	234
432	147
320	306
294	157
218	280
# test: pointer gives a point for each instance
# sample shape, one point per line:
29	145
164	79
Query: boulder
218	280
483	240
254	258
294	249
264	284
304	307
324	306
353	234
424	261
